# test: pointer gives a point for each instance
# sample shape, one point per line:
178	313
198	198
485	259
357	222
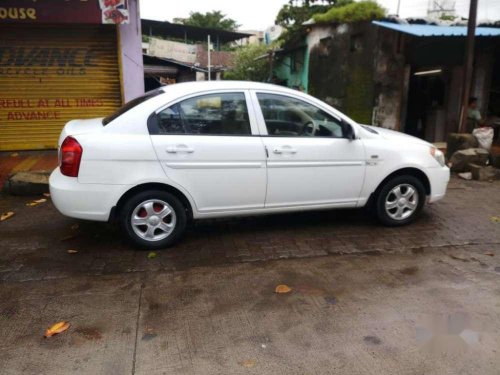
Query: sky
260	14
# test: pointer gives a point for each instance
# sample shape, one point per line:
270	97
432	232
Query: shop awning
438	31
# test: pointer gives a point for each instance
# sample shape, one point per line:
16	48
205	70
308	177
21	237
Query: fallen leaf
56	328
75	226
36	202
489	254
14	155
71	251
495	219
283	289
6	215
248	363
46	195
152	255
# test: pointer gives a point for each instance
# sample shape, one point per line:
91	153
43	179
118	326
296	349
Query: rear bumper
83	201
438	178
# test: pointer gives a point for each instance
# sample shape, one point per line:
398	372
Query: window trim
262	121
254	129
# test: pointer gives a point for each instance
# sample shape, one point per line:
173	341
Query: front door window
289	117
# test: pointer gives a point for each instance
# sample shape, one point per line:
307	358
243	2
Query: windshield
131	104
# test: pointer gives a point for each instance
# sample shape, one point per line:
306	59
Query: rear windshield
131	104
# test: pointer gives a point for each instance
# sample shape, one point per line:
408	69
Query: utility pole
271	65
469	64
399	6
209	62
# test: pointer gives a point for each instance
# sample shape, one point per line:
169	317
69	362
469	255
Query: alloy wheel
153	220
401	202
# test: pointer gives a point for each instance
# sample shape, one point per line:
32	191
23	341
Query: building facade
405	77
175	53
62	60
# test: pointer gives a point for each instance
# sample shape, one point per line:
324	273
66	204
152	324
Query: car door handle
285	150
179	148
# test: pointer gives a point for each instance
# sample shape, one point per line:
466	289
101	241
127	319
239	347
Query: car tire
400	200
153	219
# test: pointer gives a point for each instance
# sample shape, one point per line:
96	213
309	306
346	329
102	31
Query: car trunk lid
77	127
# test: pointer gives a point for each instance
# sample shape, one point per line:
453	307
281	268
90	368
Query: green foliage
445	17
292	15
359	11
213	20
246	68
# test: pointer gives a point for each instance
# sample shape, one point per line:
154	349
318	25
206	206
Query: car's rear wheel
153	219
400	200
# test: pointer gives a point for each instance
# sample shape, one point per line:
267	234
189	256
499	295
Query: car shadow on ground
295	226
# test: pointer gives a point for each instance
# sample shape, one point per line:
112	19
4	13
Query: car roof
196	86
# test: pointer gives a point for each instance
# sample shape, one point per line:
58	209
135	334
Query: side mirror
348	131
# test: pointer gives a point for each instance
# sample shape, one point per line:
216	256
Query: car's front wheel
153	219
400	200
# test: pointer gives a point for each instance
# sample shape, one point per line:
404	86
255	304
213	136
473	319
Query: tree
212	20
246	65
295	13
364	10
292	15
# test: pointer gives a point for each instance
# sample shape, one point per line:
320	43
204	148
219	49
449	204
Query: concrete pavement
423	299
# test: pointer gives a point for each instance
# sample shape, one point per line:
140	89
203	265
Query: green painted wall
283	70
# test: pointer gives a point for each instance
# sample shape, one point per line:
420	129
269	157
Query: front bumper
438	178
83	201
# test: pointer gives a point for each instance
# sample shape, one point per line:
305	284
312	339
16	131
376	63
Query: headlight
438	155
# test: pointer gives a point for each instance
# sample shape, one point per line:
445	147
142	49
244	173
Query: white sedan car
213	149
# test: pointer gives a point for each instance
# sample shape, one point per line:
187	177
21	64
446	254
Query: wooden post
468	66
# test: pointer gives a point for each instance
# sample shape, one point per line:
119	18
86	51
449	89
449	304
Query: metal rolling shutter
50	75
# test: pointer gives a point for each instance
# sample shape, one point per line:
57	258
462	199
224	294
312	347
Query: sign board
172	50
64	11
51	75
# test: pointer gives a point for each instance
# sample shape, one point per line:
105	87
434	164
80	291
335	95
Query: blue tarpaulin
433	30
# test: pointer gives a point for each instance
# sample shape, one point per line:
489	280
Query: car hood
76	127
397	136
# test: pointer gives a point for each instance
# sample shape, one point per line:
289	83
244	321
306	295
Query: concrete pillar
130	50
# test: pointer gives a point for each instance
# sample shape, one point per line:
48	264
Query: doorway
426	116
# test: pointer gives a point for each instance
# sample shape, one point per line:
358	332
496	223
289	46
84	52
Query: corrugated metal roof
432	30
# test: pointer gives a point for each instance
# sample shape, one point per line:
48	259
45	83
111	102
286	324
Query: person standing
474	119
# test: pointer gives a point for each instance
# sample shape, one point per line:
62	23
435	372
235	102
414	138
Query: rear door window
213	114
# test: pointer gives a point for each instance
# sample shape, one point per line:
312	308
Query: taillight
71	155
